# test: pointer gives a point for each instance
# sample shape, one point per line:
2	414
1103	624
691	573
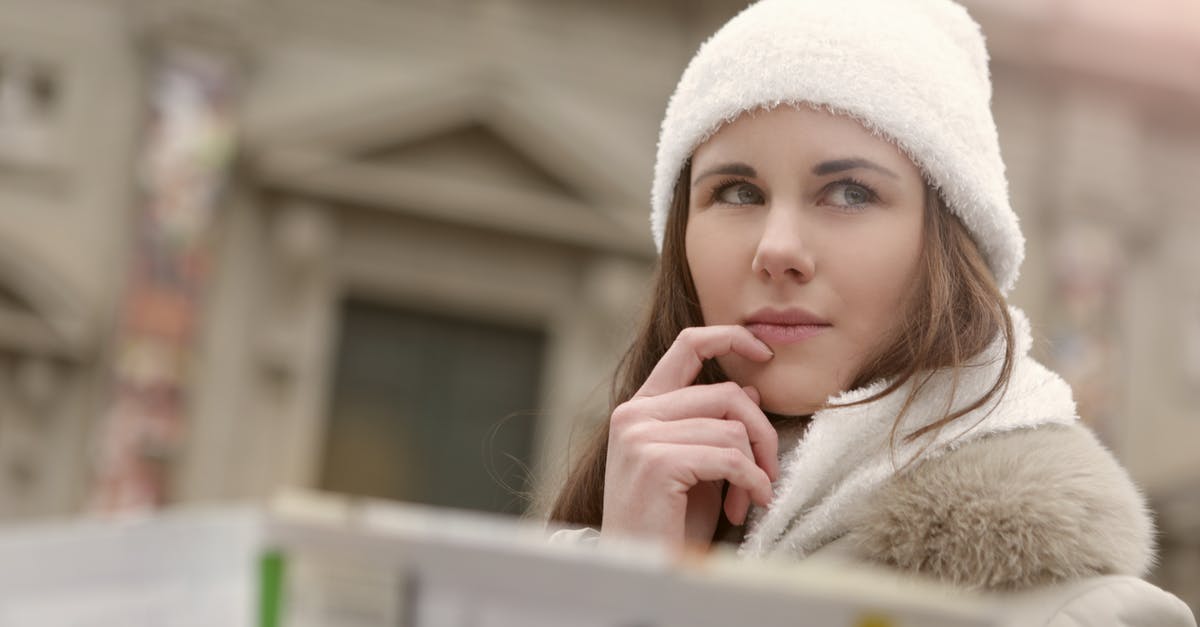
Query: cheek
712	259
878	278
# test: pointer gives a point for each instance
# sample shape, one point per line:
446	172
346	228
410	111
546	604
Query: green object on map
270	588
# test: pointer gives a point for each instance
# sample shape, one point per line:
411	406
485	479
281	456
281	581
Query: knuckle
633	435
730	388
653	459
731	458
736	430
689	335
623	414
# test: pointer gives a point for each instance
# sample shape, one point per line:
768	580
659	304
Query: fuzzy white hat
914	72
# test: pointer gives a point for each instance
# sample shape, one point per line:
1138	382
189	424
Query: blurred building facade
397	235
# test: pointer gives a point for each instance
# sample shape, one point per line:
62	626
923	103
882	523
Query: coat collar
847	453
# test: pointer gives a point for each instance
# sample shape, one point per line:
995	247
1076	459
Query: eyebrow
735	169
821	169
838	165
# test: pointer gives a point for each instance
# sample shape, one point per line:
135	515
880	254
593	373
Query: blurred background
395	248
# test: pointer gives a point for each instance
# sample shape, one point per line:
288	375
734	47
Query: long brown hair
954	310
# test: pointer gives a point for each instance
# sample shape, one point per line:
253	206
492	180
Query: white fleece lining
846	454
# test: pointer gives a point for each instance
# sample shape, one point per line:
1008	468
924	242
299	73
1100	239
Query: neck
778	419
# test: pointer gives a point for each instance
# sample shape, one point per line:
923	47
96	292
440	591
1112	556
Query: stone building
422	235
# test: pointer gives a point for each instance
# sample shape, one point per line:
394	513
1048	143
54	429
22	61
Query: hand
672	445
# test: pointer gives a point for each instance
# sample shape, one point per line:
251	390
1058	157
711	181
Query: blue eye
737	192
853	193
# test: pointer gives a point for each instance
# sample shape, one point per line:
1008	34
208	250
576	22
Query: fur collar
1014	494
1010	511
846	453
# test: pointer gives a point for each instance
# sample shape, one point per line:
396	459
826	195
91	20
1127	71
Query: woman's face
798	216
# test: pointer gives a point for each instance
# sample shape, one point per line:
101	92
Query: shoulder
1113	601
1010	511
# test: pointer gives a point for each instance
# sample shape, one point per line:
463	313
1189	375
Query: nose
783	252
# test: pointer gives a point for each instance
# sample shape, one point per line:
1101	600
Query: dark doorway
432	409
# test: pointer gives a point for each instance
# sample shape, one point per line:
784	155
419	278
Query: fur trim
1011	511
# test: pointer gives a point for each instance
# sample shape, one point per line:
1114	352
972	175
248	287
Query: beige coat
1044	520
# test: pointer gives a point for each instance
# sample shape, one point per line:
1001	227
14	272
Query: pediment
471	152
484	153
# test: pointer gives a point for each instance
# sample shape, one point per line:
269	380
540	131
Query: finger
709	432
752	392
727	401
706	431
689	464
681	363
737	505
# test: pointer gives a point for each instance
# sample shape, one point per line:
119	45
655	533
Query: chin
790	391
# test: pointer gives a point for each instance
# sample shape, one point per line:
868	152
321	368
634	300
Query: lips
790	316
785	326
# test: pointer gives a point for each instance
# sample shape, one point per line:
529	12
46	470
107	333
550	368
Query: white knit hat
914	72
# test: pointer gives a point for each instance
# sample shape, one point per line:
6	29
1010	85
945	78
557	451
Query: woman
830	364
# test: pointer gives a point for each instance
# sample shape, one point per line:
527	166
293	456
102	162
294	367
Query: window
432	409
28	101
